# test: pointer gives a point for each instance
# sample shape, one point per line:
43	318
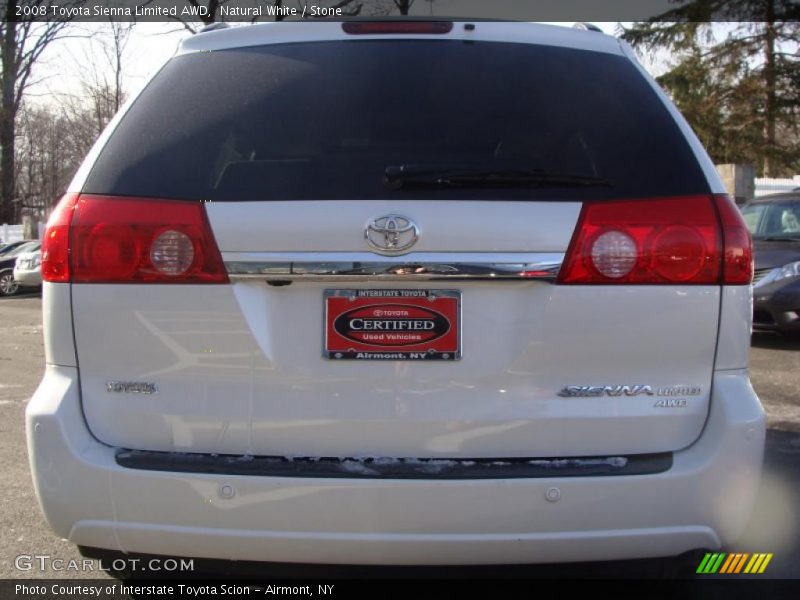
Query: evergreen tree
734	75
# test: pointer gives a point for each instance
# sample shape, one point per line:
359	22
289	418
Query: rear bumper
704	500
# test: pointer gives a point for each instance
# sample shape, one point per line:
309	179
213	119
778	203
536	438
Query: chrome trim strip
367	267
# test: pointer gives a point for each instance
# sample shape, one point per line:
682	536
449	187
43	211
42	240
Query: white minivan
397	292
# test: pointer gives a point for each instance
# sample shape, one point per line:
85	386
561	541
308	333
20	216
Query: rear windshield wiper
410	175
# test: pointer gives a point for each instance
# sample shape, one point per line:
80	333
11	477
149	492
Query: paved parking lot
775	363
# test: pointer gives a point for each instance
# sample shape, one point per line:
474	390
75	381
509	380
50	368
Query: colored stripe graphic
722	563
752	562
717	564
703	564
711	563
757	564
727	564
741	562
764	564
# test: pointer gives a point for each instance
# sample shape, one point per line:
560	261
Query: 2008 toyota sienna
420	292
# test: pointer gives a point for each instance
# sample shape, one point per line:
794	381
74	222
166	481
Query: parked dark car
6	249
9	287
774	221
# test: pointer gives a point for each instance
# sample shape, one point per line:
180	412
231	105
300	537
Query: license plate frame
420	324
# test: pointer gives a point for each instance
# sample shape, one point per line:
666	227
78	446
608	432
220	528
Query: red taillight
737	265
397	27
659	241
55	244
131	240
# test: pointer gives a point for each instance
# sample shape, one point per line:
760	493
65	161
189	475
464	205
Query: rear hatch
491	150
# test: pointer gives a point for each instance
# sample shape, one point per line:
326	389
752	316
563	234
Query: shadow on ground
775	341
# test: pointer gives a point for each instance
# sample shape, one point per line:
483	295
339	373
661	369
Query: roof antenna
214	27
587	27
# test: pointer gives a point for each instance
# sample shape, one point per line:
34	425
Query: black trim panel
395	468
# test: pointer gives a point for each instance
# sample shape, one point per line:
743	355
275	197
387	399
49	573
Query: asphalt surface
775	527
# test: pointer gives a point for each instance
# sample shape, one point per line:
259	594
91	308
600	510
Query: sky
66	62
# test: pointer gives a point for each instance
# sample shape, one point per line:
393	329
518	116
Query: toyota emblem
391	234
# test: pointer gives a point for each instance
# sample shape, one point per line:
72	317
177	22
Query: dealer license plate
393	324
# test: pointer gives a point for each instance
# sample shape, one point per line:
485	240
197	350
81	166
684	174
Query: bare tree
349	8
113	51
379	8
21	45
210	11
213	7
47	157
403	5
101	70
53	138
206	12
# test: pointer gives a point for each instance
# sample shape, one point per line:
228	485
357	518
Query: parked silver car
8	285
28	269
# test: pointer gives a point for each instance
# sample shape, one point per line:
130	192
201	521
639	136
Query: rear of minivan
397	293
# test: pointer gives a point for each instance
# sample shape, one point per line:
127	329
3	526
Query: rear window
324	120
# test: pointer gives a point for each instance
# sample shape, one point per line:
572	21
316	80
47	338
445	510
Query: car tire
8	287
